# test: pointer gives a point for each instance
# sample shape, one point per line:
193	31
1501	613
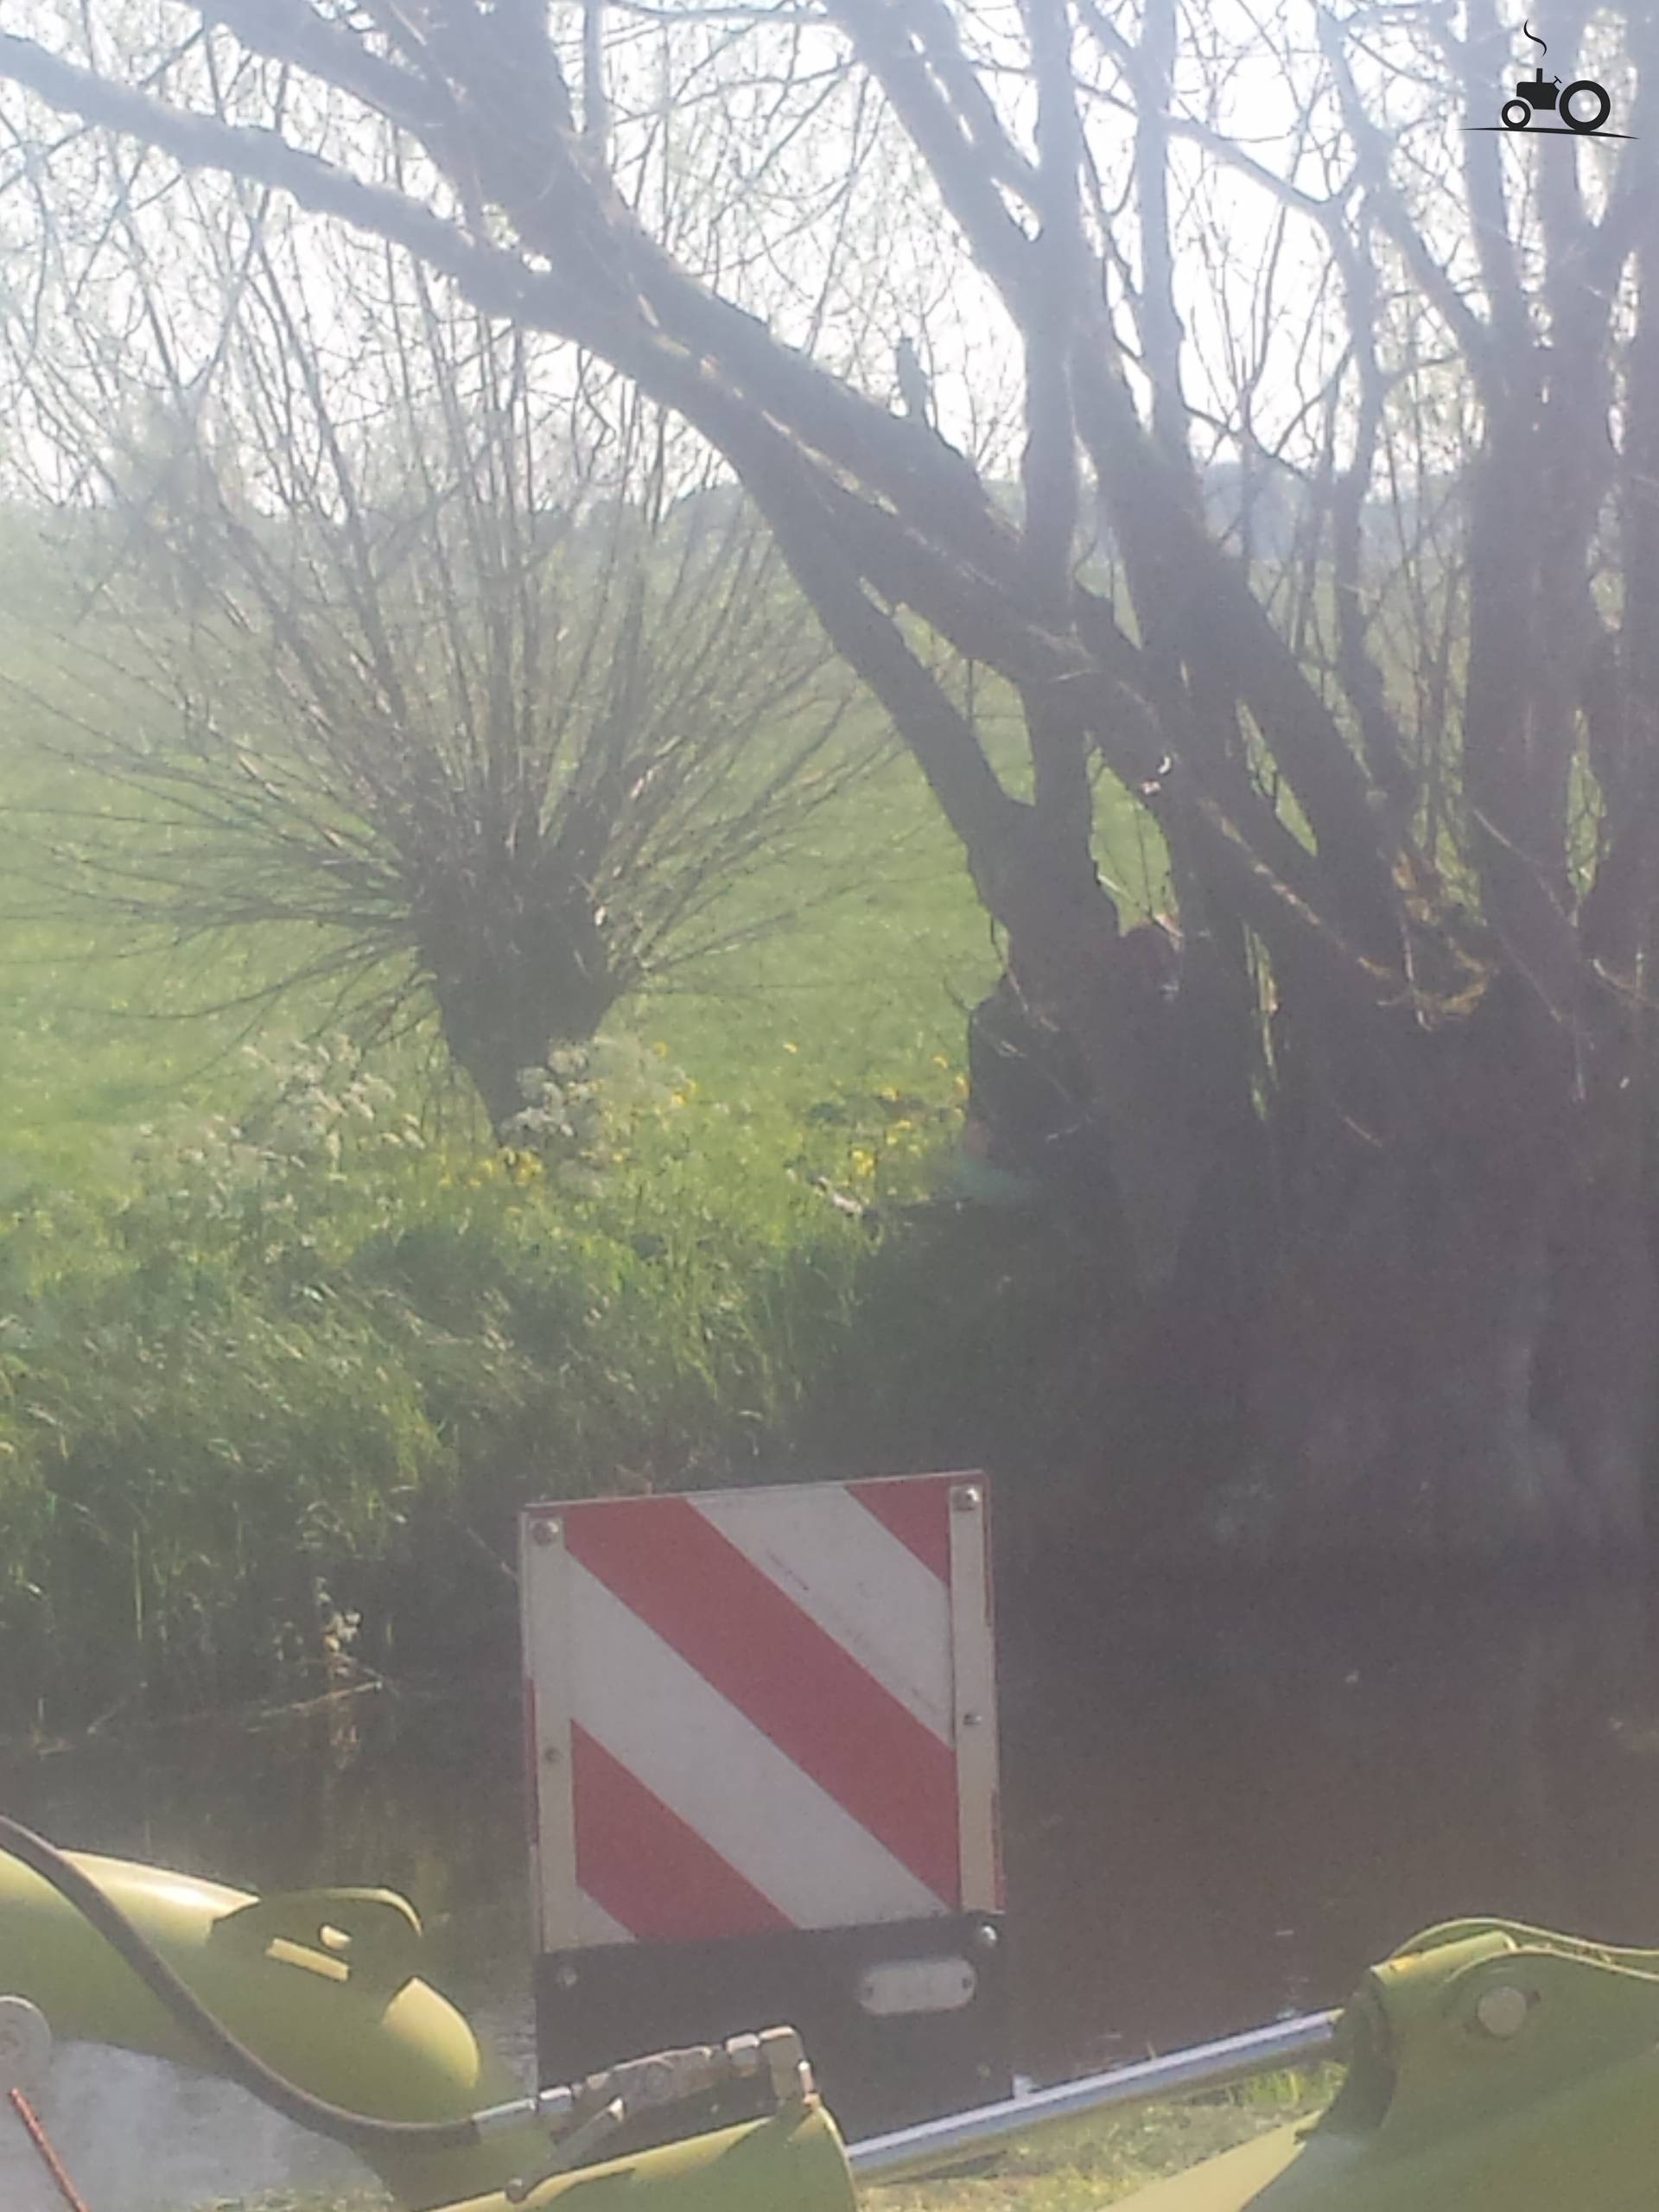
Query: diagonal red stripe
801	1689
917	1512
639	1860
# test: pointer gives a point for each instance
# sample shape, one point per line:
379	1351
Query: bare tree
412	643
1401	1073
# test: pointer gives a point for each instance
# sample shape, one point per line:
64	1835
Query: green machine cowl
1490	2065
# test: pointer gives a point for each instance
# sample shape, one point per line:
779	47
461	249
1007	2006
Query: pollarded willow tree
1405	775
395	641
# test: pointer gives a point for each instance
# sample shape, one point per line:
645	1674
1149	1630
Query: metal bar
47	2156
939	2143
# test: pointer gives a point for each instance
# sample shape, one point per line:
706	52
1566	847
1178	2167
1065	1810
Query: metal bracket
573	2149
582	2115
25	2046
371	1938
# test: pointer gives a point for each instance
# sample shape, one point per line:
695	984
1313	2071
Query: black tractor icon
1533	96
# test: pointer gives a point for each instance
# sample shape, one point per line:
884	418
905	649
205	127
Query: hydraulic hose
358	2131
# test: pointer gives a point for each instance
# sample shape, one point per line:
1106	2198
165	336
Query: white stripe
975	1669
542	1569
595	1925
786	1836
856	1581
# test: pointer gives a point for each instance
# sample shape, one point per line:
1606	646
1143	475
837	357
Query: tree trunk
1451	1363
512	982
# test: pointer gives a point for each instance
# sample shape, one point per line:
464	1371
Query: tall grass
305	1361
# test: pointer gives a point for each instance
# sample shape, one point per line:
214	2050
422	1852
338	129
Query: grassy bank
305	1364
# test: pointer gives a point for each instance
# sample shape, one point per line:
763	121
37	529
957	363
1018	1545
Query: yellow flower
788	1047
863	1164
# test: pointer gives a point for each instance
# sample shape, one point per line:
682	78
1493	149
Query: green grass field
878	949
865	944
867	979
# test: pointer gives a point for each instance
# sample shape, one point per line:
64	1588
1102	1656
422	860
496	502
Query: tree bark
1452	1362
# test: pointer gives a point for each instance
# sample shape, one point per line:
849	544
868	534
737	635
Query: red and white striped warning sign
760	1709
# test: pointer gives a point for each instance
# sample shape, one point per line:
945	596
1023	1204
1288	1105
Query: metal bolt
1501	2012
545	1532
551	1755
986	1937
972	1720
565	1976
964	1498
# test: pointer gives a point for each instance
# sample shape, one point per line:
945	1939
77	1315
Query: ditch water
1213	1814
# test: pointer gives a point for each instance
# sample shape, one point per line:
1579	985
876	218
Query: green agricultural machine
1487	2065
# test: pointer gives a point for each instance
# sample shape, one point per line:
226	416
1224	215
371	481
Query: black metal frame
597	2006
